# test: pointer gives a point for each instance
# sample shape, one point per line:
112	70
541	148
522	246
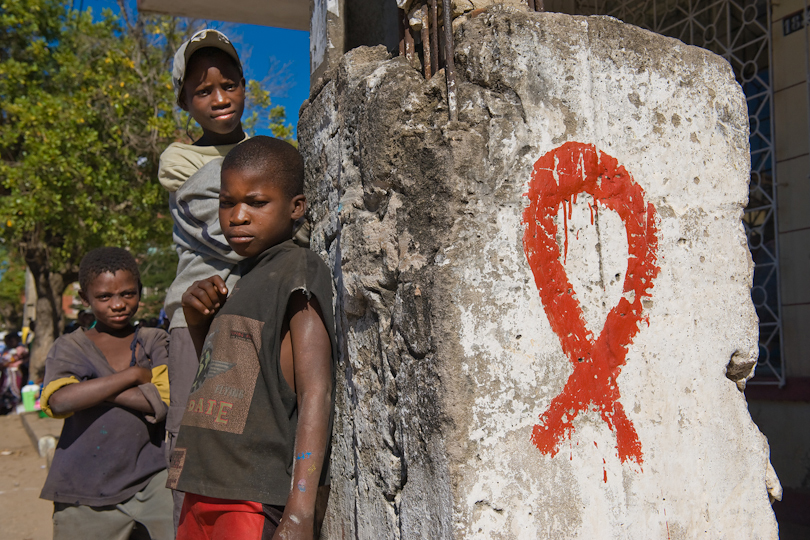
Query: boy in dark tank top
253	446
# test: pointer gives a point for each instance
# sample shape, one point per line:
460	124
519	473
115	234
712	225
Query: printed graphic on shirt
229	366
176	467
209	368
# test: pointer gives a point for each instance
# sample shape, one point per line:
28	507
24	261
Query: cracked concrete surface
448	358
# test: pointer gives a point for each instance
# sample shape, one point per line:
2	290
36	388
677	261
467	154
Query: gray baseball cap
204	38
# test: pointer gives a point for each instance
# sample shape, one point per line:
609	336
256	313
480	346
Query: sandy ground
23	515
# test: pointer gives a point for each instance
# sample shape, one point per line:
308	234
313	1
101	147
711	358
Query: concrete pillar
326	36
544	309
337	26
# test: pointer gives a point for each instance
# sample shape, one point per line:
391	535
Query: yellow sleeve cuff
52	387
160	378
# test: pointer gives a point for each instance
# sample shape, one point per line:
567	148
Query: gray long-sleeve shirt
201	246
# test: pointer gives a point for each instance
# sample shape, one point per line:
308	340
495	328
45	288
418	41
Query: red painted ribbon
558	177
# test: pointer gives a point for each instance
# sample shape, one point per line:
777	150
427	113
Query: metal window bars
737	30
740	32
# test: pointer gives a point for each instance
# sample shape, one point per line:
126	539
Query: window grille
739	31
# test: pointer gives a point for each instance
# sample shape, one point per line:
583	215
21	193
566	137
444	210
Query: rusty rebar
401	32
450	68
410	48
434	37
426	43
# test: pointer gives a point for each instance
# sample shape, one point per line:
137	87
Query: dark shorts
147	514
207	518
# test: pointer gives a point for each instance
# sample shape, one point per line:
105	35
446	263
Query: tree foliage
84	119
158	267
264	114
86	108
12	287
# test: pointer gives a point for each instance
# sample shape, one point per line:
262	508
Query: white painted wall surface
318	38
448	356
676	119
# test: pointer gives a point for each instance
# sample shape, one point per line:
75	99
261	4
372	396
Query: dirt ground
23	515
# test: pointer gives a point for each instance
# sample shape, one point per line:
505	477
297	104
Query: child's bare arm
200	303
132	398
312	358
76	397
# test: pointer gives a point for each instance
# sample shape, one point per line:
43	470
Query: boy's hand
132	397
202	300
142	375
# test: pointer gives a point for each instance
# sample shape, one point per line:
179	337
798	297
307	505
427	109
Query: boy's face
214	94
256	214
113	298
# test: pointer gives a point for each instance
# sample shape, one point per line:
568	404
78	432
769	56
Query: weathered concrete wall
544	309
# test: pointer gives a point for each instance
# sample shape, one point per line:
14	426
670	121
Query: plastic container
29	396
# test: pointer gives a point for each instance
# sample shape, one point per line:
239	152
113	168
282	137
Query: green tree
158	267
264	114
12	288
86	108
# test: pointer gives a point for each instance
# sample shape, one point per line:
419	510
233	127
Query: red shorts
207	518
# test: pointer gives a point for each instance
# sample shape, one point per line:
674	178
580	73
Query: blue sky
260	47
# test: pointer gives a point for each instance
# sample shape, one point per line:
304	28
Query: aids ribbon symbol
558	177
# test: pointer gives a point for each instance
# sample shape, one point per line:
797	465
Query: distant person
28	333
14	347
163	320
86	319
261	403
110	384
13	371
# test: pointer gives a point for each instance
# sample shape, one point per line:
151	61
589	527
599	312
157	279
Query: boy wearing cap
209	85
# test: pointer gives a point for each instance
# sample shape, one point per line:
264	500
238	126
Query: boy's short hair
106	259
210	39
274	159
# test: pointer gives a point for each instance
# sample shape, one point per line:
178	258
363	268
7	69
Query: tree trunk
49	323
11	316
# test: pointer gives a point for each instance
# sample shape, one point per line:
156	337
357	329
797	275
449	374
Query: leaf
86	109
